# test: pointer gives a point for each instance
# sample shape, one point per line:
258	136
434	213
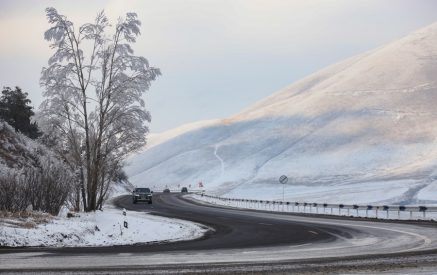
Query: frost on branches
93	110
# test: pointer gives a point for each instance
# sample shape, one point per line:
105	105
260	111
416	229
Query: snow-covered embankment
101	228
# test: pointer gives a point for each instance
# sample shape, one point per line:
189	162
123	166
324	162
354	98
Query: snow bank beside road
102	228
376	211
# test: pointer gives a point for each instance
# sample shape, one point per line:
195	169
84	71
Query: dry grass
25	219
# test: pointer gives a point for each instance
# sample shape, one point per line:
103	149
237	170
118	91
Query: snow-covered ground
377	192
360	131
102	228
393	213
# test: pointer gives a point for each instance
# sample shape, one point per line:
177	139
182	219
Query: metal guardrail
341	207
179	191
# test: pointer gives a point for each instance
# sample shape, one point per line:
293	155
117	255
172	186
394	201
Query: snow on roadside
102	228
309	209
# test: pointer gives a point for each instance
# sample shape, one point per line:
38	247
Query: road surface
245	241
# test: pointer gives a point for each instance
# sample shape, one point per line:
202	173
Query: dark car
166	190
184	190
142	194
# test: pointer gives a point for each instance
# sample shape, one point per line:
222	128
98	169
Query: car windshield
142	190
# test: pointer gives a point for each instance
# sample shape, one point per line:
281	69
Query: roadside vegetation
32	177
93	112
93	115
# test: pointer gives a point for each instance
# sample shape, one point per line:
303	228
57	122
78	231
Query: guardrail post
386	208
423	209
340	206
356	208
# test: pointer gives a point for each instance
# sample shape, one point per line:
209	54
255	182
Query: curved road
242	240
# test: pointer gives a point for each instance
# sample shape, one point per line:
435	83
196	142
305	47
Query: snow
119	189
377	211
156	139
348	193
361	130
102	228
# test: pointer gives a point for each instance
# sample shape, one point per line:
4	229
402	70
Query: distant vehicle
142	194
184	190
166	190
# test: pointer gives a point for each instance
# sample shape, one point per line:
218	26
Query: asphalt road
244	241
231	229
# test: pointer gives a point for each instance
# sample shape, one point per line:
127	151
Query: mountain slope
362	130
18	151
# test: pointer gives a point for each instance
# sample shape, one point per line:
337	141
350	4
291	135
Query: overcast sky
216	57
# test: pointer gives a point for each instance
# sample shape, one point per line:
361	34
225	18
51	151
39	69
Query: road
242	240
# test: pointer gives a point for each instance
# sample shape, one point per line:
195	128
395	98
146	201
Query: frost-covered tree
93	88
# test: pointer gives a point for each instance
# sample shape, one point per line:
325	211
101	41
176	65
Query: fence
403	212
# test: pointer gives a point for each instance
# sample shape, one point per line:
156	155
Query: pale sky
216	56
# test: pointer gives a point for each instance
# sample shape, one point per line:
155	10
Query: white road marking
314	232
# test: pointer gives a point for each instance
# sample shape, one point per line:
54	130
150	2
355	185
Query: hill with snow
360	131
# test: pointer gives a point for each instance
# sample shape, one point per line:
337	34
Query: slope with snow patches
360	131
100	228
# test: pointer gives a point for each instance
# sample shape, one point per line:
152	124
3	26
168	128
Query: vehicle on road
142	194
184	190
166	190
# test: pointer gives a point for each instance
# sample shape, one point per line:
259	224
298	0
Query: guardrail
179	190
368	211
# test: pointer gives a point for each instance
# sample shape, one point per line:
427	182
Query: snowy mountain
360	131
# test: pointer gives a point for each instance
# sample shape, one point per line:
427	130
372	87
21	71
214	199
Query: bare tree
93	88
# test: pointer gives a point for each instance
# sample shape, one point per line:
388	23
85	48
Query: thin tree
93	87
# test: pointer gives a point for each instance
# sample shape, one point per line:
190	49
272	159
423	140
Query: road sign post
283	180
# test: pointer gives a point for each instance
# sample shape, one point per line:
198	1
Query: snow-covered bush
44	188
48	187
13	193
31	175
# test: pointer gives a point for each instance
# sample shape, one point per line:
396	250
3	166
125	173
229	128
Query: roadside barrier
404	212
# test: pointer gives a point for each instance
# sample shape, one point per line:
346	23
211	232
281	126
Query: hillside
359	131
18	151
